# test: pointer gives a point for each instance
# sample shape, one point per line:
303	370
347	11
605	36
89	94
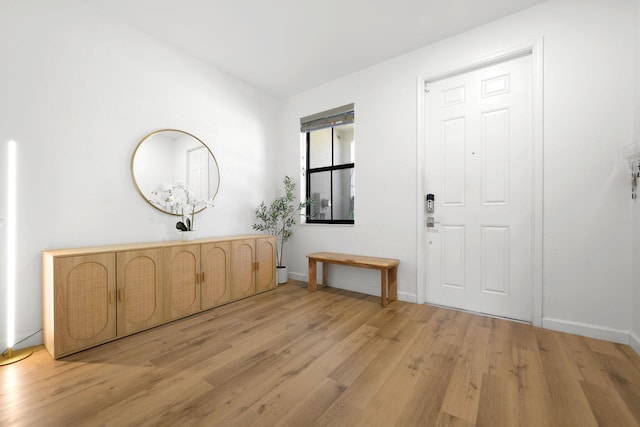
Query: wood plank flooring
330	358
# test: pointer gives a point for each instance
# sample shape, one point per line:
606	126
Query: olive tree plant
279	217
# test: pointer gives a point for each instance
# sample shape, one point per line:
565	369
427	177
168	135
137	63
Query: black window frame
330	119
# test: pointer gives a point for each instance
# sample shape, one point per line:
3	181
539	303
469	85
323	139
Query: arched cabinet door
243	267
181	281
266	264
85	306
216	274
140	290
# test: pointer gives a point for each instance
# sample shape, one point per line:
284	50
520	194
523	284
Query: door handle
430	205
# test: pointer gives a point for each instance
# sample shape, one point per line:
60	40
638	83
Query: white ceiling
287	46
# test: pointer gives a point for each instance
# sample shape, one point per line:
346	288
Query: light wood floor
290	357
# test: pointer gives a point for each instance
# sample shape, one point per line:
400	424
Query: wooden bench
387	266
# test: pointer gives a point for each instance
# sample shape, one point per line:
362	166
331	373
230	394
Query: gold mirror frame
212	161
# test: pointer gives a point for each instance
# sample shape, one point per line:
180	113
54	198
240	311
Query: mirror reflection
175	172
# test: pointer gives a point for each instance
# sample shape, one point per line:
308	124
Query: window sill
320	224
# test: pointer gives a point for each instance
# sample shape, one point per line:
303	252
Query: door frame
535	49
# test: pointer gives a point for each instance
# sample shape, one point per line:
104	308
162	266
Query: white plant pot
282	275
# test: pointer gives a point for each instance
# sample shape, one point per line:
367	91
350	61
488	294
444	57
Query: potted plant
278	218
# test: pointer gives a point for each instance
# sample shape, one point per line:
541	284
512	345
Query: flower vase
187	236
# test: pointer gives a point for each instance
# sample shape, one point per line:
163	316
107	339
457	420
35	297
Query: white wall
588	118
635	283
78	91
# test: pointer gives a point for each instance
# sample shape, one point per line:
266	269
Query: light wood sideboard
94	295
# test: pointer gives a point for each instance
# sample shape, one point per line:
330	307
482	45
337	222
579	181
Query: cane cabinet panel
84	311
216	272
182	281
265	264
140	290
243	278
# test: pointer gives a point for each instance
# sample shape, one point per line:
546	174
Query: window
330	165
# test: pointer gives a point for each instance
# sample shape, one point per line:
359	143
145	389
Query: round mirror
175	172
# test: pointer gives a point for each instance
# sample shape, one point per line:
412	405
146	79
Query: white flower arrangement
178	199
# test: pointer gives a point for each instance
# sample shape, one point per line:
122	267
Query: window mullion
308	174
333	133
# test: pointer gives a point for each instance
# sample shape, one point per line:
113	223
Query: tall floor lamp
12	355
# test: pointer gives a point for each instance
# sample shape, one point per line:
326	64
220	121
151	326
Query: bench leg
325	273
393	284
383	287
312	276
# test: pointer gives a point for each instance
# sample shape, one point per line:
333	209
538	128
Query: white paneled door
478	167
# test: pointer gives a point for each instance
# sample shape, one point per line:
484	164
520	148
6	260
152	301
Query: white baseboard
634	342
298	276
363	289
587	330
407	297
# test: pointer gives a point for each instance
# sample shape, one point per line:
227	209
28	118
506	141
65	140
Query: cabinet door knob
120	294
